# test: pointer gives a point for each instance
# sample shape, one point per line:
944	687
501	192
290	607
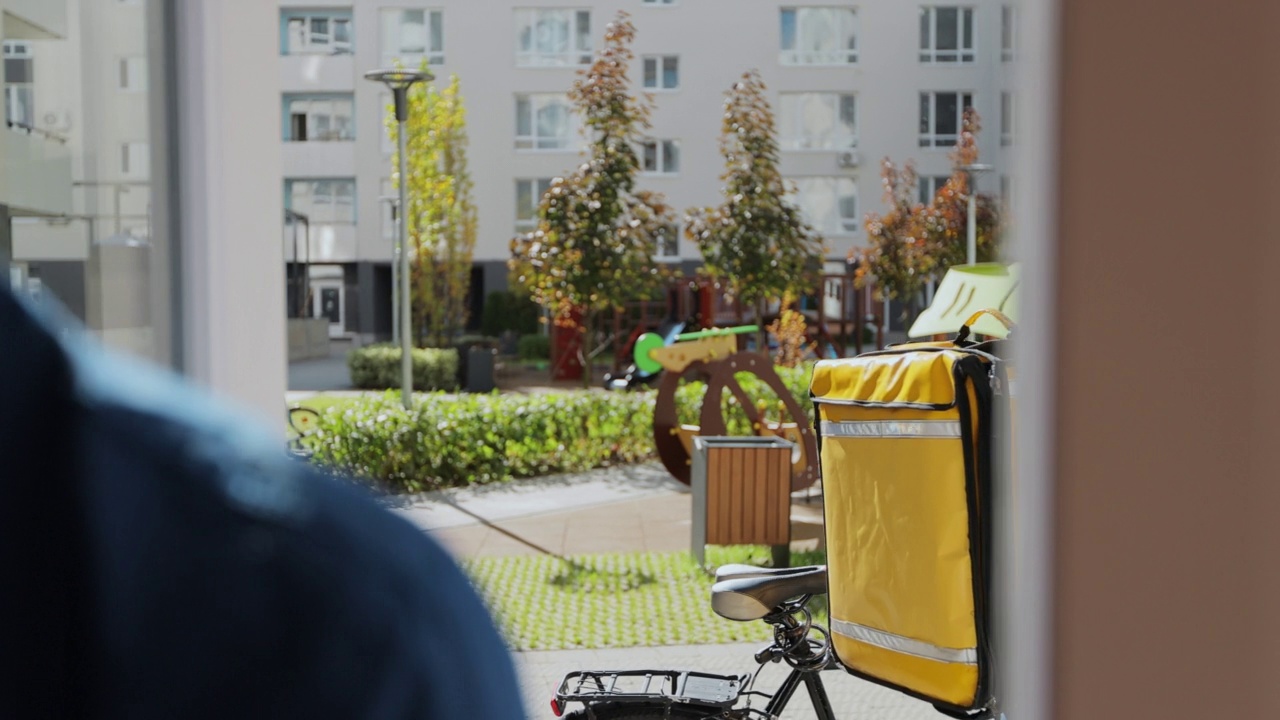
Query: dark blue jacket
163	558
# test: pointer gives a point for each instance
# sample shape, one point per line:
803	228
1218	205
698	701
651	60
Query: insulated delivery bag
905	441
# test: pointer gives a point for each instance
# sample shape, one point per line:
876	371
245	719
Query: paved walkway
620	509
636	507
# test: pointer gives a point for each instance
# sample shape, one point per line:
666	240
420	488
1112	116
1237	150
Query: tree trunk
585	347
762	335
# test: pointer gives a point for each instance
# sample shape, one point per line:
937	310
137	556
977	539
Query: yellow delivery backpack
905	446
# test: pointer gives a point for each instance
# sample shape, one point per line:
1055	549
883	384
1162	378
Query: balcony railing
22	127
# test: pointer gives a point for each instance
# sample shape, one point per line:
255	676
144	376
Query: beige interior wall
1167	416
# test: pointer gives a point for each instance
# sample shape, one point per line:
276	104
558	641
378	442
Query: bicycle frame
817	694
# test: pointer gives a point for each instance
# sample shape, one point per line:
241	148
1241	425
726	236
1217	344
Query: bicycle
743	593
778	597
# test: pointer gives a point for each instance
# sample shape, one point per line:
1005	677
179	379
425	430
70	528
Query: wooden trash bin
742	494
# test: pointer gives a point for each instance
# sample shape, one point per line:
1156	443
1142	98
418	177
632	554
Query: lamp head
398	79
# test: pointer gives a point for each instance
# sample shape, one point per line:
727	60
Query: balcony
319	73
334	243
335	158
35	172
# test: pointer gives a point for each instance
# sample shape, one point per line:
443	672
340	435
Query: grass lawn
617	600
322	402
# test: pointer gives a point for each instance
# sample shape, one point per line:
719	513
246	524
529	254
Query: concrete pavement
621	509
628	508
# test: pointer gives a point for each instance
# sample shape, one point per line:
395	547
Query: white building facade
133	190
850	83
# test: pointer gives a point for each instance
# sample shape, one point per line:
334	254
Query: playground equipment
635	376
712	356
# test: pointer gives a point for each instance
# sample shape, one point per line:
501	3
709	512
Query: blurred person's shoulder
209	548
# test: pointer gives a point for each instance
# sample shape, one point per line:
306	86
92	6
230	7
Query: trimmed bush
505	310
534	347
377	367
448	441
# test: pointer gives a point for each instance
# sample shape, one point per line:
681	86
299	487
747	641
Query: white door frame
318	288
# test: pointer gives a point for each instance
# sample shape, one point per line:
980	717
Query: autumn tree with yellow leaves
441	216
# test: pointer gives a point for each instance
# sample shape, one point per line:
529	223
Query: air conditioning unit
848	159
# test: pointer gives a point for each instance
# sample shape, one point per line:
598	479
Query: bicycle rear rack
666	686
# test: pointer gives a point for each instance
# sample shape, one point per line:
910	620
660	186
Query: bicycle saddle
747	593
735	571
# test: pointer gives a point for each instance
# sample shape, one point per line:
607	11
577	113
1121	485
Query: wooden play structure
712	356
838	315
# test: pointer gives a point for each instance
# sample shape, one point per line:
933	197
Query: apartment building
135	191
86	93
850	82
35	165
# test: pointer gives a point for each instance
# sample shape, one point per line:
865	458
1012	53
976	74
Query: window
327	201
930	185
19	94
668	242
318	118
660	156
829	204
135	160
1006	191
817	121
819	36
946	35
544	122
315	32
661	72
411	36
133	74
941	115
1006	118
551	37
1008	30
387	208
528	195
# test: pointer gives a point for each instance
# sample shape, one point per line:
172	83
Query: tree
792	331
441	216
756	241
912	244
597	234
944	221
896	256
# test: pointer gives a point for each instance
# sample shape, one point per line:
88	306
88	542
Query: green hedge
534	347
377	367
450	441
505	310
446	441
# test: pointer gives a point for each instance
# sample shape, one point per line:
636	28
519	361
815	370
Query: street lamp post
972	250
394	203
399	82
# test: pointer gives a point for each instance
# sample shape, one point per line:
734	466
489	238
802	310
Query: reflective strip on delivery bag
898	520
